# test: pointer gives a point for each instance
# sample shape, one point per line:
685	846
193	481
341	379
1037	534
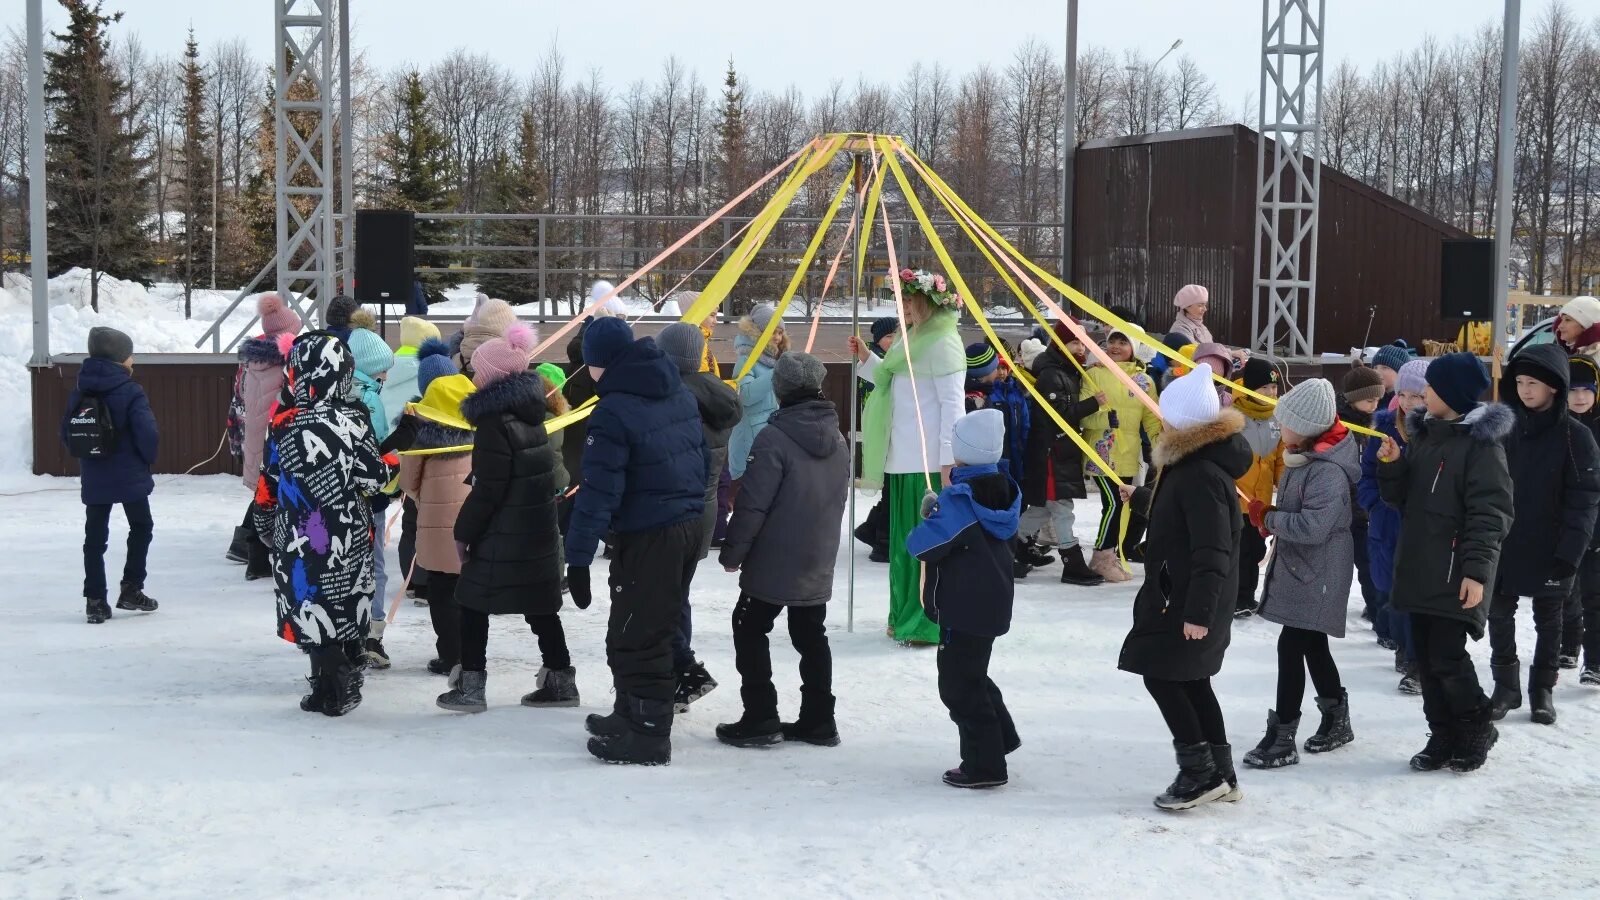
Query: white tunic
943	400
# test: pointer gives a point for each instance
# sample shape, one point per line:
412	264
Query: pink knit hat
503	357
276	316
1190	295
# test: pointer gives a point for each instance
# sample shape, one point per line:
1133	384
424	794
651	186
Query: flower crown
931	286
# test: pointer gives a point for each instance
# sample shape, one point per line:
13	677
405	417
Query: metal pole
1505	156
347	190
855	424
1069	140
38	241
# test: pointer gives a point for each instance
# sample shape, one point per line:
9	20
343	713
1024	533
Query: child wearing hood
966	543
256	387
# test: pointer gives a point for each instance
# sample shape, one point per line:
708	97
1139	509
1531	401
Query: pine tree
251	232
517	187
194	176
731	150
414	159
99	184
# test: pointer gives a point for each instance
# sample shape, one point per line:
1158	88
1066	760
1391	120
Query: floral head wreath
931	286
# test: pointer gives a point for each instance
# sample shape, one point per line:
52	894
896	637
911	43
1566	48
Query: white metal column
1284	311
304	169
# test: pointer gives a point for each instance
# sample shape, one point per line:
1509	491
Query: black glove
1561	571
578	585
402	437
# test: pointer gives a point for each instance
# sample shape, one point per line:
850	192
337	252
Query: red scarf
1330	438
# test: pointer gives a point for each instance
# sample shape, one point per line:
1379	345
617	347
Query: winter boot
1222	755
1411	682
342	681
958	778
647	740
878	555
1136	553
1541	695
373	656
1507	691
466	696
1400	664
1245	609
1104	563
1198	782
1436	754
317	699
1475	736
1075	571
133	598
816	724
694	682
439	667
1591	675
553	687
1019	568
1388	644
239	547
748	732
1567	661
96	610
1036	556
1276	749
1335	730
613	724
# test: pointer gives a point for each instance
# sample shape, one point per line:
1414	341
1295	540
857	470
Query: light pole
1149	77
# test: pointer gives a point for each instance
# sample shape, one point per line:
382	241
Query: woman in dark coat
1182	615
1054	464
506	530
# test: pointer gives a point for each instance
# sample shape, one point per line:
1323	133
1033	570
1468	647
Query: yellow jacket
1266	443
1120	446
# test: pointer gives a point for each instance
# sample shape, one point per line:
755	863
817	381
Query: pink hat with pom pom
276	316
503	357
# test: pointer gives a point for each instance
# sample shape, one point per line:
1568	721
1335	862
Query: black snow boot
648	740
694	682
1198	782
1222	755
1567	660
1019	568
1475	735
748	732
958	778
1035	555
439	667
816	724
1507	691
1411	683
1075	571
96	610
1541	695
1436	754
553	687
133	598
1335	730
341	678
1276	749
1591	675
317	699
613	724
239	547
468	694
1400	664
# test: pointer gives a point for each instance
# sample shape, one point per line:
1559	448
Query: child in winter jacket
1054	464
755	388
400	387
1360	391
1261	432
1580	624
1454	493
322	463
1308	582
1383	520
965	541
1114	432
373	360
991	385
783	540
1556	486
256	387
109	428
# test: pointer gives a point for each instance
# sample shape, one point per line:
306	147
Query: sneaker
1245	610
96	610
134	599
373	656
1036	556
958	778
694	682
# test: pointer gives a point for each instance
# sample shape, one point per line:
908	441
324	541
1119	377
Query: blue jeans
96	534
1382	625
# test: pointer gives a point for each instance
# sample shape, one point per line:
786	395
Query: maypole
855	328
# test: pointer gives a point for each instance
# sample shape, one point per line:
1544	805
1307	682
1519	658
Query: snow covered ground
164	756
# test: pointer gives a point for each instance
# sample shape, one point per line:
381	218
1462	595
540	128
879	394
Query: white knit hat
1191	401
1310	408
1583	310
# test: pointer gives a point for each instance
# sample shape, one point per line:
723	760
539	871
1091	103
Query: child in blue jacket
966	543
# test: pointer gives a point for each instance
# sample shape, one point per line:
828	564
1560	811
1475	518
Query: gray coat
1314	556
784	533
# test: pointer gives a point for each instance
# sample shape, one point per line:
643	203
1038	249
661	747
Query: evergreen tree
517	186
250	231
193	178
99	184
414	158
731	149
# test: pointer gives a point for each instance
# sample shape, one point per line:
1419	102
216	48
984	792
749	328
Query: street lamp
1149	76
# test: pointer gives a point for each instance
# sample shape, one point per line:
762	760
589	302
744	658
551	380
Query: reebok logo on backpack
90	432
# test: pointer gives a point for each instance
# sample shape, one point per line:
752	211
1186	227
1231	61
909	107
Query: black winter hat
1583	373
340	309
1459	380
882	328
1257	373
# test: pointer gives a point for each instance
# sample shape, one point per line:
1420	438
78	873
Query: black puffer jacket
509	519
966	542
1191	552
1350	414
1454	495
1054	464
1555	486
720	410
784	533
578	390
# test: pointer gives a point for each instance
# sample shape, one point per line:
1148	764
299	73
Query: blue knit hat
981	360
433	361
604	340
882	328
373	356
1459	380
1392	356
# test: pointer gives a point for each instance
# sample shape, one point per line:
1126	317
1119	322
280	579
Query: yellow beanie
415	329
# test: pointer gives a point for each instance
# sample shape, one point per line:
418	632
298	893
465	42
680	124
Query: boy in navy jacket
966	543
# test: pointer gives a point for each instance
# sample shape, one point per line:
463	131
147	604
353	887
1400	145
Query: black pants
1252	550
1190	709
877	522
446	616
1369	591
1299	650
406	548
650	576
683	638
475	640
96	534
1583	605
752	622
1547	633
1450	689
982	720
258	560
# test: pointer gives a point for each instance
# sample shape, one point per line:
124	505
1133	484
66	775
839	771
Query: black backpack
91	433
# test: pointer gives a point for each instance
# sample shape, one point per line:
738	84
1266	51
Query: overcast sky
775	44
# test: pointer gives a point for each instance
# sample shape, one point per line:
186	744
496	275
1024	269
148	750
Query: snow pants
1450	689
975	704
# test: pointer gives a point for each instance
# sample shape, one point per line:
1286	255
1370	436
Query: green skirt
905	571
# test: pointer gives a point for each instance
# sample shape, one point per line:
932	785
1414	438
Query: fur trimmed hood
432	435
1175	445
270	350
521	394
1488	423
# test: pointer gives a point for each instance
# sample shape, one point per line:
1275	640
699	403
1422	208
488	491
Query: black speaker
1466	280
385	255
